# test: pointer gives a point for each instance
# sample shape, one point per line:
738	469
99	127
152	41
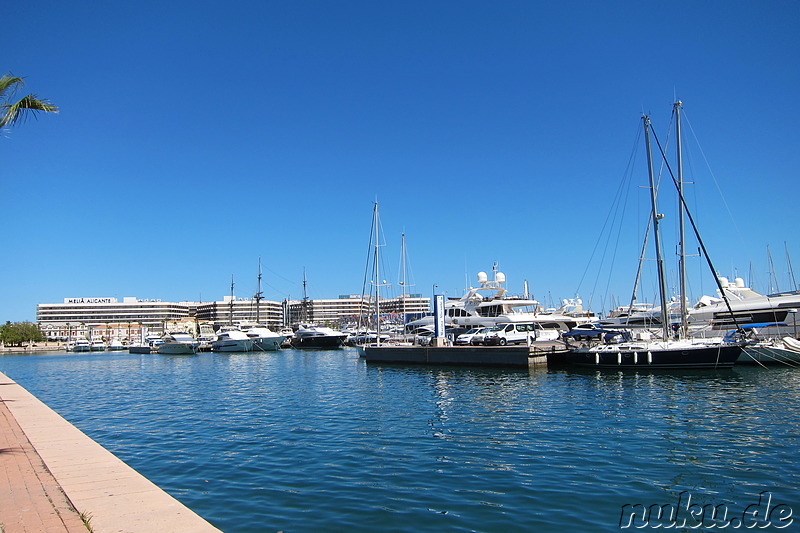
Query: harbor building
235	311
347	308
108	318
129	320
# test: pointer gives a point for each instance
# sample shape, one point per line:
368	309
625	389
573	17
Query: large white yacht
264	339
232	339
488	305
748	306
178	343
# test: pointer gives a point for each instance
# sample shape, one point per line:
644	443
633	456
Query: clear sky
196	137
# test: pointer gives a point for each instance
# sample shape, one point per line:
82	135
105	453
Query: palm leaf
10	113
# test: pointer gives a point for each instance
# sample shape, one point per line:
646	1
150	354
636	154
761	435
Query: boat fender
649	357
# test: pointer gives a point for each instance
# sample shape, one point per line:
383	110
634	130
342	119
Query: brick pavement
30	498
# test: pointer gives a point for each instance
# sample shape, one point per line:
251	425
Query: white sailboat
616	349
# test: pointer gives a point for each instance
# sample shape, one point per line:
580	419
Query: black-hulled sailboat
616	349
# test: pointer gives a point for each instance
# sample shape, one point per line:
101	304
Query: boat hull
765	355
177	348
695	357
268	344
140	349
236	345
321	341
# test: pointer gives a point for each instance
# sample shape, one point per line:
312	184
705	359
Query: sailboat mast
377	274
403	270
681	230
230	321
656	217
258	294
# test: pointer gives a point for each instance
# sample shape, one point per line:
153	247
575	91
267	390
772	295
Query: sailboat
617	349
264	339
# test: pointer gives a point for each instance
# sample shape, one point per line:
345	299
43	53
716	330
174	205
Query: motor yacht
264	339
232	339
178	343
308	336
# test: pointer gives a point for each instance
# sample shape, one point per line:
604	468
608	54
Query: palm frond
9	82
28	105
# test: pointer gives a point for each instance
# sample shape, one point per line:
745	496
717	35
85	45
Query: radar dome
500	277
739	283
482	277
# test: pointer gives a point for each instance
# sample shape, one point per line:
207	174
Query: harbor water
321	441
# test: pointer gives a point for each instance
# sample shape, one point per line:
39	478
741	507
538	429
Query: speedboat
318	337
178	343
264	339
232	339
115	346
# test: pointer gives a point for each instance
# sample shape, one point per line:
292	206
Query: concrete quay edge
116	497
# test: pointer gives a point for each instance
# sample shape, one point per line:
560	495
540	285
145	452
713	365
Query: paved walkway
49	468
30	498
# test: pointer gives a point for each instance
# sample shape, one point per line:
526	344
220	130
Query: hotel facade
132	318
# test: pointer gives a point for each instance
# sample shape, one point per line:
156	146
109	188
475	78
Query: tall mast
376	265
403	270
259	295
662	289
230	322
682	246
304	305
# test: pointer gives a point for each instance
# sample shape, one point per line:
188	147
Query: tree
20	332
12	110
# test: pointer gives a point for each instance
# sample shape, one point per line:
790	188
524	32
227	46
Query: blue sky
196	137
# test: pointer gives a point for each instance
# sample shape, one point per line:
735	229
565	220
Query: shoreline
96	483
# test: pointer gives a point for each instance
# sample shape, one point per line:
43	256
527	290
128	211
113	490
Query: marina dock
54	478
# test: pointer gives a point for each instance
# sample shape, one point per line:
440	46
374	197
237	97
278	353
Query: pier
54	478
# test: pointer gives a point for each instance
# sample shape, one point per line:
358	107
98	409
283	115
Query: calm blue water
321	441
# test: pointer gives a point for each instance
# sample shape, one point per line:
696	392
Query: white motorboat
264	339
80	345
317	337
232	339
178	343
98	346
115	346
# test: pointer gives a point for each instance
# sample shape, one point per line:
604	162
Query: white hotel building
130	319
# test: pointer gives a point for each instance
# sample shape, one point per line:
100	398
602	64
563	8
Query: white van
519	333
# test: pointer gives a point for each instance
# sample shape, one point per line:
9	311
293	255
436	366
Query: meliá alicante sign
90	300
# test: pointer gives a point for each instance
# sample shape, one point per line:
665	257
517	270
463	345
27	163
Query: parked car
586	331
425	338
466	338
519	333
